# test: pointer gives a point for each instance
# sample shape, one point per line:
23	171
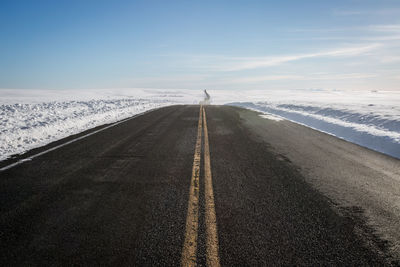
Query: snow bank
33	118
370	119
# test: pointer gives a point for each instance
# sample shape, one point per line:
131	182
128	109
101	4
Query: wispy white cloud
367	28
382	33
385	28
347	12
182	81
237	64
376	12
255	79
372	38
390	59
380	38
315	76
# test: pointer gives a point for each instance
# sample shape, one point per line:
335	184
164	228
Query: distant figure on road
207	99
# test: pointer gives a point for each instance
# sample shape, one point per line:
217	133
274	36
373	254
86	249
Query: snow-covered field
370	119
33	118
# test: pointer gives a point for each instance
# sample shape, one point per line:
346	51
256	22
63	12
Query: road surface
183	186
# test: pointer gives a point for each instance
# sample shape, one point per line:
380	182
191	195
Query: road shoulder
360	183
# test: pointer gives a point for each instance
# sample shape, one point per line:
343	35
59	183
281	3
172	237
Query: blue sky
345	45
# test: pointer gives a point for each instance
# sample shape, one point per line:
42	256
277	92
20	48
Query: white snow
367	118
271	117
33	118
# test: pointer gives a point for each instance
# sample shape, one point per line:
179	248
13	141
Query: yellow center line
192	219
210	217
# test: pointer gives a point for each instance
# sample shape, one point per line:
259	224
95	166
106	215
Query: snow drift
369	119
33	118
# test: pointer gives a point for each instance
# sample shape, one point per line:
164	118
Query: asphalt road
120	197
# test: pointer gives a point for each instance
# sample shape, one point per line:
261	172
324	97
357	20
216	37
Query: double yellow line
189	250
